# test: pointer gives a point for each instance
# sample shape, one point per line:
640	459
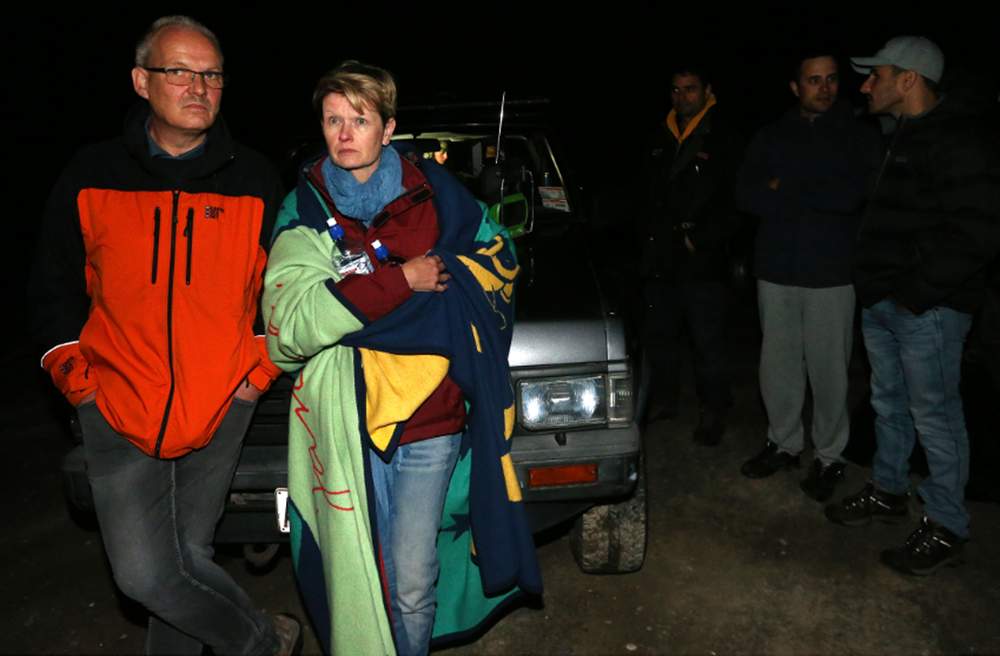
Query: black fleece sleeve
58	303
57	289
718	219
752	193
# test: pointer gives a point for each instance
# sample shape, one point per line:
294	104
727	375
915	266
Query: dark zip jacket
690	182
933	223
808	225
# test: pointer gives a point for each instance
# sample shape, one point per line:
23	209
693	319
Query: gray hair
145	45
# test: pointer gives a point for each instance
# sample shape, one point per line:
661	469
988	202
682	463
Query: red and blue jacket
408	227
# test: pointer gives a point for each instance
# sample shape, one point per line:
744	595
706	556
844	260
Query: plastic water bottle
350	257
336	232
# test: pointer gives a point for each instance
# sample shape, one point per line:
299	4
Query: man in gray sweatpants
805	177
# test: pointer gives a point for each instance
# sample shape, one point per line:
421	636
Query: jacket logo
702	155
212	212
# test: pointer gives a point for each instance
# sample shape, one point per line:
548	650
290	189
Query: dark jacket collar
219	149
838	114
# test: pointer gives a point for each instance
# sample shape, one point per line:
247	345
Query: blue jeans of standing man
916	365
158	521
409	518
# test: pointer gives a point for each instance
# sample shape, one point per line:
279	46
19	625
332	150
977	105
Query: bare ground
734	566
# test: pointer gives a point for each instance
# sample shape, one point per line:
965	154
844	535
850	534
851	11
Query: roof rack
480	113
482	104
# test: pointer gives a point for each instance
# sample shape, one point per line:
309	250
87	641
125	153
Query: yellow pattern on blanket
396	385
501	279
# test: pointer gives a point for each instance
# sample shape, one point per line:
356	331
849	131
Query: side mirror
512	213
515	211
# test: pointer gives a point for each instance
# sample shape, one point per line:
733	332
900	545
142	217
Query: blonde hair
363	86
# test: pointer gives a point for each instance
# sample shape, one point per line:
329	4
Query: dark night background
606	71
720	549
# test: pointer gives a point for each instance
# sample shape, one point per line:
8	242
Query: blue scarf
364	200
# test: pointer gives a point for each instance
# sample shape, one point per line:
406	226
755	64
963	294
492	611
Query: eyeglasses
182	77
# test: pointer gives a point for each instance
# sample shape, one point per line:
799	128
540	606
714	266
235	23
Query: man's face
884	88
688	95
189	109
817	85
354	139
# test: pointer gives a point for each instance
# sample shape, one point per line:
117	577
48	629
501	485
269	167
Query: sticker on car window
554	198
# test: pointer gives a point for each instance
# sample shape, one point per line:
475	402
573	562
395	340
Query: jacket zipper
170	321
189	233
156	242
888	154
878	178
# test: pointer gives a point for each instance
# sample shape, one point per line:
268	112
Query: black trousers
700	308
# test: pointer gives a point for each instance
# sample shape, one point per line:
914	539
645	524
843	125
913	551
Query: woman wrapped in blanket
376	209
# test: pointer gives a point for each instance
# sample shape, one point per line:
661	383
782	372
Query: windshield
525	186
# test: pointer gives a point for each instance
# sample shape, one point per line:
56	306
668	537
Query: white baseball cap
911	53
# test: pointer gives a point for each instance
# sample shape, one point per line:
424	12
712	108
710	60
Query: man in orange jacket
145	293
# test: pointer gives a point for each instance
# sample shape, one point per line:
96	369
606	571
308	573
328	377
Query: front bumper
250	510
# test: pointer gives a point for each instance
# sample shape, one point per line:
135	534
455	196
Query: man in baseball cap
903	76
911	53
931	227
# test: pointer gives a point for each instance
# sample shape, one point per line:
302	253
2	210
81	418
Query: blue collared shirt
156	152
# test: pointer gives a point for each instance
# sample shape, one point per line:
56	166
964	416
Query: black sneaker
710	428
859	509
928	548
768	462
822	480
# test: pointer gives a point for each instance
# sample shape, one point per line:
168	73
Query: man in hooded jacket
688	221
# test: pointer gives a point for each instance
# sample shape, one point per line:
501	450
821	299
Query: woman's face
354	139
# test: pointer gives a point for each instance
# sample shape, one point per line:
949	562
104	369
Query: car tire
261	557
611	538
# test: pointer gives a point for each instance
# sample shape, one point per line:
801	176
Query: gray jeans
808	335
158	520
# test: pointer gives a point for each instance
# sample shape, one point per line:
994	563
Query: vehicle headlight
575	401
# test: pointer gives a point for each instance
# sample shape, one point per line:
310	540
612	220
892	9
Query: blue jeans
158	521
916	364
409	518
